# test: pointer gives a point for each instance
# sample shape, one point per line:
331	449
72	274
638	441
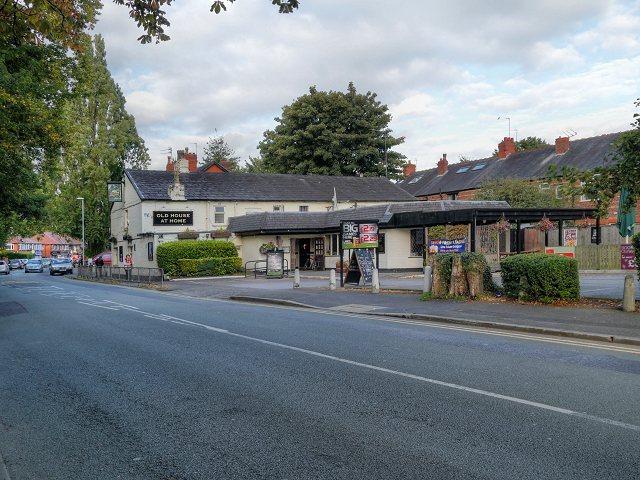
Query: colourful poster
447	246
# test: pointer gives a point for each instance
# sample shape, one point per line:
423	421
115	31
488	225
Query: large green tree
518	193
102	142
33	90
333	133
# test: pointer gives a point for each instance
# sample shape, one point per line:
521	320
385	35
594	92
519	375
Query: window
478	167
416	179
218	216
120	254
278	208
380	242
303	208
462	170
545	186
150	251
417	242
331	244
452	196
586	198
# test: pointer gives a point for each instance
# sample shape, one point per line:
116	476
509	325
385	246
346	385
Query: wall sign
172	218
627	257
114	191
446	246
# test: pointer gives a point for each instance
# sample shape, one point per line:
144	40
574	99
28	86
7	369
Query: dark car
15	264
61	266
33	265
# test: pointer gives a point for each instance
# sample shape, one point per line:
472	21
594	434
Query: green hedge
206	267
549	276
169	253
15	255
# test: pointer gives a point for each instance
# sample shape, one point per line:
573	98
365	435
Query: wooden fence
598	257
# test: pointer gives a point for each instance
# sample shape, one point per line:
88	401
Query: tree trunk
475	280
458	286
437	287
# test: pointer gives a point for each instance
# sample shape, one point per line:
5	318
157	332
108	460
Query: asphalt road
99	381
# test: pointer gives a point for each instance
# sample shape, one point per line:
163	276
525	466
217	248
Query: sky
457	77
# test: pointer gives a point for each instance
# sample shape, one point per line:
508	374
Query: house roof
584	154
207	166
320	222
233	186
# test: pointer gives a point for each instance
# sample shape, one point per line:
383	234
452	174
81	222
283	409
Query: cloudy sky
446	70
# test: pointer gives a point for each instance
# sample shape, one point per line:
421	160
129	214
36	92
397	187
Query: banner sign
359	234
447	246
570	237
172	218
628	259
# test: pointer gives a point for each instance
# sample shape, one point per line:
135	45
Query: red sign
628	259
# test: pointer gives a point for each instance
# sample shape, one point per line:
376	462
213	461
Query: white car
4	267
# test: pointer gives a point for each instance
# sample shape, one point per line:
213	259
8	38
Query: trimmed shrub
207	267
549	277
169	253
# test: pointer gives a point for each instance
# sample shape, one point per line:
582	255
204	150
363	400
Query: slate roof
324	222
584	154
233	186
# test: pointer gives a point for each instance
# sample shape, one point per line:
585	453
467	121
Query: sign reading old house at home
172	218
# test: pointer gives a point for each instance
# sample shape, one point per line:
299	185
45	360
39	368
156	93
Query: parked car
15	264
33	265
102	259
46	262
4	267
61	266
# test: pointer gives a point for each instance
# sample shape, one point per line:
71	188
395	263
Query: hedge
15	255
548	277
213	266
169	253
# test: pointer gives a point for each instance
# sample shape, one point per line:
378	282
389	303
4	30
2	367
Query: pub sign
359	234
164	218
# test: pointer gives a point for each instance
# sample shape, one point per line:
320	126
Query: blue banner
447	246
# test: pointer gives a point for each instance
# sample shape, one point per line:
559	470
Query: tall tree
333	133
33	89
217	150
518	193
102	142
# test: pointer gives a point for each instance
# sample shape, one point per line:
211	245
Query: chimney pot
506	147
562	145
443	165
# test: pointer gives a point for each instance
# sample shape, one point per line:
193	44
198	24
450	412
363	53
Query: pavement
598	317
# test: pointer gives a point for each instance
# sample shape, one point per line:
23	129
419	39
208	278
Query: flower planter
127	238
220	234
188	236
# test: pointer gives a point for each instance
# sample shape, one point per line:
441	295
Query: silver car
4	267
33	265
61	266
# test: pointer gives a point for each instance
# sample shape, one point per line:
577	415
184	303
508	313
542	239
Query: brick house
460	181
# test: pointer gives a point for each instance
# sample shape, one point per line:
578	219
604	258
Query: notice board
275	264
360	267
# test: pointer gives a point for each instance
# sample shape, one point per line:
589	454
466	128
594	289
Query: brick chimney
562	145
192	158
226	164
443	165
169	164
506	147
409	169
181	164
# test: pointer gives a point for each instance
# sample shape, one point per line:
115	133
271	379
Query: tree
217	150
102	142
33	90
64	21
602	184
518	193
333	133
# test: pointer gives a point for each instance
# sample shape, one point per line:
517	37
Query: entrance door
304	252
319	252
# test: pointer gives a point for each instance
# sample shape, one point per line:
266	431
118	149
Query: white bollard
427	280
296	278
375	282
332	279
629	295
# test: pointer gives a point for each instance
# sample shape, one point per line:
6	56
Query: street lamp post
82	198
